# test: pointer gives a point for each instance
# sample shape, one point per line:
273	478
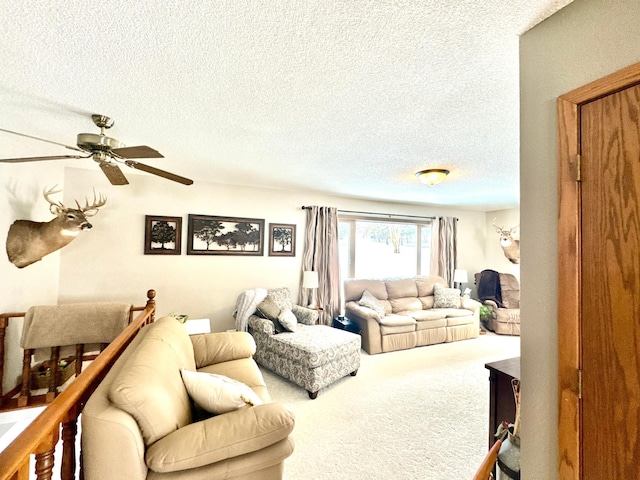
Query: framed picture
210	235
162	235
282	240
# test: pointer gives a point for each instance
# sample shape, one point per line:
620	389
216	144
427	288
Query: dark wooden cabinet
502	404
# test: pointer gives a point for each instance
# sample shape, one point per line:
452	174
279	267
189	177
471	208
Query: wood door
610	233
599	279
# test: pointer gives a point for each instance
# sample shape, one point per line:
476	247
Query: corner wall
585	41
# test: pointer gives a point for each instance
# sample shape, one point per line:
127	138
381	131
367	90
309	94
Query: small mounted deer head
510	247
28	241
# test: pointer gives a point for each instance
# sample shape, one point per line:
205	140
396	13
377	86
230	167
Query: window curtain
321	255
444	248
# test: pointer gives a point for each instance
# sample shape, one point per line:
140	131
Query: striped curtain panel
321	255
444	249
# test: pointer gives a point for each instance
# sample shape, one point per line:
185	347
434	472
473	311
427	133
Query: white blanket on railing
246	304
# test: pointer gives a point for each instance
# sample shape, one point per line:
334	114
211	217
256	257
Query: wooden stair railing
41	436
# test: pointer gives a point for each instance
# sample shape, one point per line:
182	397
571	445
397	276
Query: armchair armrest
211	348
492	305
218	438
263	325
308	316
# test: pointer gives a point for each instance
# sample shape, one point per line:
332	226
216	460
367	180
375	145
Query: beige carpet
414	414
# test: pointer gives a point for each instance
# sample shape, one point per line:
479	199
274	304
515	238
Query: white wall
585	41
107	262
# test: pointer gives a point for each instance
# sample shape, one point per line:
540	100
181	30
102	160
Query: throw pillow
216	393
445	297
268	308
368	300
288	320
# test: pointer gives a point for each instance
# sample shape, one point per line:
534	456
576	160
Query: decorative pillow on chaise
445	297
270	310
288	320
216	393
368	300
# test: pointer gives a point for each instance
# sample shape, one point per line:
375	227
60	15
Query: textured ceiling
346	97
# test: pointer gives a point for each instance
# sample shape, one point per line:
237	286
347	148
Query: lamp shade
309	279
460	276
432	175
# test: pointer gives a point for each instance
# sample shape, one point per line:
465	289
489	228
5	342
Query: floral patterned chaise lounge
289	343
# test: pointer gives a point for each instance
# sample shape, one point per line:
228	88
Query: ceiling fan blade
157	171
41	139
38	159
141	151
114	174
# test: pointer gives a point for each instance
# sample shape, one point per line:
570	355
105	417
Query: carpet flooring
414	414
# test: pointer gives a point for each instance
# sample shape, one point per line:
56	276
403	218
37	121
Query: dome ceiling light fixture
432	176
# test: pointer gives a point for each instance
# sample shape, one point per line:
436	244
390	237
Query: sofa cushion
231	435
454	312
445	297
401	288
217	393
404	304
353	289
369	301
425	285
152	372
395	320
426	315
454	321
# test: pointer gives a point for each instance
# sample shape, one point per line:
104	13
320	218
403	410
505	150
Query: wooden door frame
569	263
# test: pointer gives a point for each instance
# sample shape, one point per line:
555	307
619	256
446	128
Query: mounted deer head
28	242
510	247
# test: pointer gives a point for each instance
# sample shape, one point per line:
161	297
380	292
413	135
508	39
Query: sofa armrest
307	316
211	348
365	313
470	304
218	438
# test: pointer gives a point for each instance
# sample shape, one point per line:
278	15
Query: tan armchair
140	423
501	293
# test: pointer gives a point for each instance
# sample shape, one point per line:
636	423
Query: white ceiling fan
107	152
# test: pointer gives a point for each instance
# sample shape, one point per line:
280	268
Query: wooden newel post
151	295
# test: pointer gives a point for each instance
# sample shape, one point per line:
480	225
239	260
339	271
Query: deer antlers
88	210
502	230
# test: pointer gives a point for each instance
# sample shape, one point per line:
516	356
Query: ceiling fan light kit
432	176
107	152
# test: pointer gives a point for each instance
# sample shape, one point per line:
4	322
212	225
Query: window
373	248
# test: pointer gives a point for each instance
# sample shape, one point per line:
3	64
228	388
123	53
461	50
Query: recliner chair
501	293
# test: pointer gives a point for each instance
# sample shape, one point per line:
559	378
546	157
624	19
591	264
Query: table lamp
460	277
310	280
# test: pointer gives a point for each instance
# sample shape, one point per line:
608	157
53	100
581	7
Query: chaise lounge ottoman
312	357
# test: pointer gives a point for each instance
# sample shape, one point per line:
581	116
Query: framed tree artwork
162	235
209	235
282	240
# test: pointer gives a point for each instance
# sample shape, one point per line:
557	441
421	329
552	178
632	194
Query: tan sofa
409	318
141	424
